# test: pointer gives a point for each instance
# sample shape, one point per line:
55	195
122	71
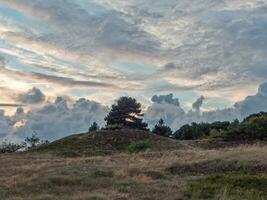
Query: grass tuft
138	146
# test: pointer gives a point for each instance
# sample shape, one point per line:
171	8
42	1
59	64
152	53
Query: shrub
7	147
138	146
32	141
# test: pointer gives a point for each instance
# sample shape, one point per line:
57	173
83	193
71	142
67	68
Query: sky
99	50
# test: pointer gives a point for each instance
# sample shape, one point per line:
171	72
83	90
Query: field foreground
184	170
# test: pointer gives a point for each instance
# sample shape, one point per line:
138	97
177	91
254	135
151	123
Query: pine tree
126	113
93	127
162	129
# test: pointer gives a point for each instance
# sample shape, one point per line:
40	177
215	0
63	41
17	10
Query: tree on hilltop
126	113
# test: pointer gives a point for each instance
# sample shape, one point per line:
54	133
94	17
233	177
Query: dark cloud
65	81
170	66
59	80
32	96
166	99
198	103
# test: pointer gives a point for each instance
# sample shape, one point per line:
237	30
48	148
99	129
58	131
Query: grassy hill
97	166
104	142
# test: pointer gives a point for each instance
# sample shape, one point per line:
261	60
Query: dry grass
144	175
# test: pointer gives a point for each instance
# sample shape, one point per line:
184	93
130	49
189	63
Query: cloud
2	61
56	80
213	44
10	105
165	98
197	104
164	107
176	117
5	124
32	96
57	119
255	103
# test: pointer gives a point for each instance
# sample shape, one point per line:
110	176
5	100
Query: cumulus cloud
5	124
175	116
255	103
197	104
51	120
164	107
58	119
166	98
32	96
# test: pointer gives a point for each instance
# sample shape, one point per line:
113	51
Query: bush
6	147
138	146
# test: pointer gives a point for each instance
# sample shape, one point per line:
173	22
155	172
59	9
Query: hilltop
104	142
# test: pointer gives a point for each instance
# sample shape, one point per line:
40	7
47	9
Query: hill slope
104	142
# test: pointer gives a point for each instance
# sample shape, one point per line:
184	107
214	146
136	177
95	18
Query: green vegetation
94	127
253	127
138	146
29	143
9	147
202	130
126	113
184	172
162	129
103	142
230	187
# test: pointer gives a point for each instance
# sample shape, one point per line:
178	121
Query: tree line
127	113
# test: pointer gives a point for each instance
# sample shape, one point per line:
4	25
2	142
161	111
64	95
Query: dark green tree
93	127
254	127
162	129
126	113
32	141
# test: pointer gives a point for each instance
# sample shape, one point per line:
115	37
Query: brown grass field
176	170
